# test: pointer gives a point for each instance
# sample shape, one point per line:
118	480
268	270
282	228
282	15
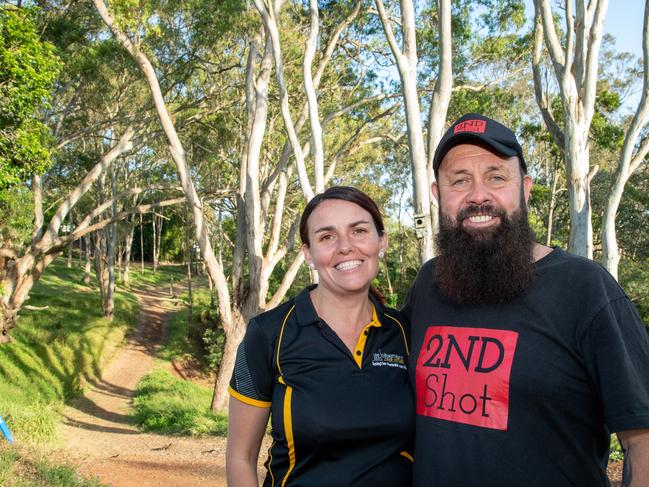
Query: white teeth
350	264
480	218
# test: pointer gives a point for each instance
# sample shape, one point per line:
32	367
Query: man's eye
325	236
360	230
458	182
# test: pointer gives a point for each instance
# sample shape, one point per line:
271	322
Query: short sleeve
253	376
618	356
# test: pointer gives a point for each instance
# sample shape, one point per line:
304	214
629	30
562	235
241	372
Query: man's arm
635	444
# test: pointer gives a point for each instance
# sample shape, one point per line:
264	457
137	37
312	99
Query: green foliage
20	467
634	279
213	342
56	351
616	454
28	69
168	405
16	215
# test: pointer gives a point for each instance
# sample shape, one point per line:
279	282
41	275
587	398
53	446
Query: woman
329	366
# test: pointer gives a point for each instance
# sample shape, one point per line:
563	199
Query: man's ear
527	187
435	190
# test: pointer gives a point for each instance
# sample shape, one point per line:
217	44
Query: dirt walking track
99	437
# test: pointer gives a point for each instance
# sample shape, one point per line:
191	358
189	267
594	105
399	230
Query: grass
56	351
178	344
20	467
163	276
168	405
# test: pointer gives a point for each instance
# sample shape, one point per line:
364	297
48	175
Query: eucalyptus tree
575	61
477	45
267	160
633	154
406	61
88	121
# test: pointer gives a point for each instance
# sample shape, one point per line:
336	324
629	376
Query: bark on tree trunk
154	240
232	340
190	294
86	273
629	161
128	246
552	206
69	259
580	241
141	246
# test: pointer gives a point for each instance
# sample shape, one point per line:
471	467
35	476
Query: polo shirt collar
306	314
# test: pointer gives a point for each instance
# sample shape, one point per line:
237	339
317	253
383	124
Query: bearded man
524	358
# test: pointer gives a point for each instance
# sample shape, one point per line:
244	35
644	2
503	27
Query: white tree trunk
19	273
269	10
406	59
575	64
630	160
441	98
128	247
87	267
309	88
178	154
581	231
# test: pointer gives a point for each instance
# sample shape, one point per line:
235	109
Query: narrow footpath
99	437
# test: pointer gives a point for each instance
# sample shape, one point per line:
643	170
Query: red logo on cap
478	126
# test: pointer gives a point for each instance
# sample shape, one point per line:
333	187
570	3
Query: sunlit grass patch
165	404
23	468
164	275
56	350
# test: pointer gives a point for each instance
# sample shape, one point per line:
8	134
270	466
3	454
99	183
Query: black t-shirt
337	418
526	393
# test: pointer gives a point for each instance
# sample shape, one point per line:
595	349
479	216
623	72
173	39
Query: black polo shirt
337	418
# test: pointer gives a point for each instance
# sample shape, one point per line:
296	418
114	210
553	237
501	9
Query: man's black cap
473	127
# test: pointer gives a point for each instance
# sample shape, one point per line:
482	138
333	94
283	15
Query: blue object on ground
5	430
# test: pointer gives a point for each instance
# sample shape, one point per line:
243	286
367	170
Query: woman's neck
343	312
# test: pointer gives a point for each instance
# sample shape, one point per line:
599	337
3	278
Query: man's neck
539	251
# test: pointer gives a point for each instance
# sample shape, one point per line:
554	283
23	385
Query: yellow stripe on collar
362	338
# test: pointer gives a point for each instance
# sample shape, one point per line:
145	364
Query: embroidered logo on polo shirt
382	359
463	375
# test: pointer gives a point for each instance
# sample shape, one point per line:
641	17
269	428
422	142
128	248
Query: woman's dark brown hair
345	193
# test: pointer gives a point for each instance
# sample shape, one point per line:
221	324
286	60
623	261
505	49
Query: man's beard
484	266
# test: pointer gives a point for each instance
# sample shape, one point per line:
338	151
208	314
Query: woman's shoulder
393	316
270	321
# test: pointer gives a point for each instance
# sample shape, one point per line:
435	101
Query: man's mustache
474	210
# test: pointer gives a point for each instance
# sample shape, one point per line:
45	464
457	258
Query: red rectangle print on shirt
463	375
